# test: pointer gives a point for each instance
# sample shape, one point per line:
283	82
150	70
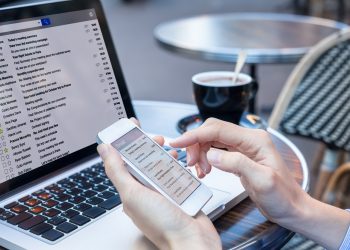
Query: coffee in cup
216	94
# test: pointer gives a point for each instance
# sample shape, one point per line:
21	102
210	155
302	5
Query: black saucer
248	120
189	122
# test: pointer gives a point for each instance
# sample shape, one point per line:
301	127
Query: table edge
285	55
294	148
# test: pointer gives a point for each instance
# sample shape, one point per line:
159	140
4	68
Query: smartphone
154	167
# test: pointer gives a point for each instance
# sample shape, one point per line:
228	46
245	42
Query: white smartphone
149	163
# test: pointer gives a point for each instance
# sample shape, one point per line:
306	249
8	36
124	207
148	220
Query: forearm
193	238
195	243
320	222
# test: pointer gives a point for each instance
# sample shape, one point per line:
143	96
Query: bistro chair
337	190
315	103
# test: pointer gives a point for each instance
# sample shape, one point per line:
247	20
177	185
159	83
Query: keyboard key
89	173
74	191
94	200
38	192
64	206
19	209
19	218
62	197
80	220
6	215
103	175
111	202
99	188
54	188
37	210
2	210
32	202
181	155
68	184
49	203
89	193
113	189
10	205
167	148
85	185
105	194
78	178
44	196
66	227
76	199
82	207
94	212
56	220
51	212
108	183
41	228
25	198
63	181
97	180
57	190
36	220
52	235
70	213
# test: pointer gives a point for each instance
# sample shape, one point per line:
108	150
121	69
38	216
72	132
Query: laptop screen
58	88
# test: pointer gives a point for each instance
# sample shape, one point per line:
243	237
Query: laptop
61	83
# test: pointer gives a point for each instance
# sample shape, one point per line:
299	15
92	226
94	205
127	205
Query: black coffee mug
216	94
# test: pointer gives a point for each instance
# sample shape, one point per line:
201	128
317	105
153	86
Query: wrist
320	222
194	238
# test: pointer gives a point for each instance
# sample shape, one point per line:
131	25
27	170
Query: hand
166	225
251	155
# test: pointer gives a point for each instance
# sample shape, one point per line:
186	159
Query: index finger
250	142
213	130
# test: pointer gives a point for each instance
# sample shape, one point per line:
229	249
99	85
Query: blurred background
153	73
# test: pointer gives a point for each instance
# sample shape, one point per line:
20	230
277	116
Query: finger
115	169
209	131
223	133
173	153
199	171
192	154
203	162
159	139
134	120
234	162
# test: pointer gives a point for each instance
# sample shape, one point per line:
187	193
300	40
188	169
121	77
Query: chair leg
341	192
327	167
322	180
315	168
318	160
317	7
338	187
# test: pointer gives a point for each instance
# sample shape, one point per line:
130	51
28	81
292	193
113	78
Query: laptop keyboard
61	208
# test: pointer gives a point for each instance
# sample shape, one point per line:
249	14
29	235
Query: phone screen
157	165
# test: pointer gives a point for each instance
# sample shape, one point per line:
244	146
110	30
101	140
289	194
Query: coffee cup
217	95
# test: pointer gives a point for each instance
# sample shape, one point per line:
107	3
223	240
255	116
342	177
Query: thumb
233	162
115	168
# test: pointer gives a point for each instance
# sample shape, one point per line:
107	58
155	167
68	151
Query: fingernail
213	156
102	149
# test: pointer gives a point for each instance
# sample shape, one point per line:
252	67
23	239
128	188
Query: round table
267	37
243	226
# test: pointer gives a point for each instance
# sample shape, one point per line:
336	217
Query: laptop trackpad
217	203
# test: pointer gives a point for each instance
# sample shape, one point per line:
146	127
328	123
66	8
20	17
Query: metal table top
267	37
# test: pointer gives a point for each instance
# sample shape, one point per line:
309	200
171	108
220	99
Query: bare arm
251	155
